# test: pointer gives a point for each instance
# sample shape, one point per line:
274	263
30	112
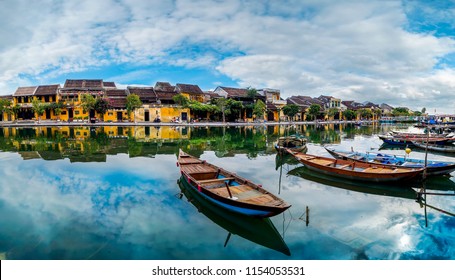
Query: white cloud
346	49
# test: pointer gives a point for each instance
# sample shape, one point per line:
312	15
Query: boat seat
345	166
216	180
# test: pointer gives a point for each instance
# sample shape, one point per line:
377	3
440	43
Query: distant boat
294	142
360	171
433	167
227	189
435	147
259	231
403	141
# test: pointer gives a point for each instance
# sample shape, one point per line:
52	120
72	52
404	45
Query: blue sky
400	53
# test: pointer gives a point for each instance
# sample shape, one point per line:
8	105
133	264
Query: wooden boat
403	141
259	231
373	188
294	142
229	190
433	167
435	147
361	171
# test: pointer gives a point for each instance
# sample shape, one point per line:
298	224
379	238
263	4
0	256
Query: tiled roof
109	84
191	89
164	86
305	101
146	94
23	91
116	93
235	92
83	84
47	90
165	95
117	98
8	97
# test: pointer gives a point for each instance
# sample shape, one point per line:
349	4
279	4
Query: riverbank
265	123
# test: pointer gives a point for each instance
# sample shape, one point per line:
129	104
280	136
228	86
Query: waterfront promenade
262	123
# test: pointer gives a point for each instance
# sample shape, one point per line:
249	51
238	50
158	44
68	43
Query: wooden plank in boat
323	162
189	160
199	168
264	199
216	180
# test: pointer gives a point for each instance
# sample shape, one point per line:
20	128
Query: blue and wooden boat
260	231
228	190
434	167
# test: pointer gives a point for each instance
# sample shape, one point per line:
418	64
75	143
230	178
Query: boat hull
232	205
259	231
367	172
433	168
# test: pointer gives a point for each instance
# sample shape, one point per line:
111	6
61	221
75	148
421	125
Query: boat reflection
259	231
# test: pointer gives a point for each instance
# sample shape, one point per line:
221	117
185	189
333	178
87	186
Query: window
76	112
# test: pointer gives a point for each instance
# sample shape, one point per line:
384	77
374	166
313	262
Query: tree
38	108
349	114
424	110
366	113
290	110
181	100
314	110
228	107
251	92
259	109
4	106
102	105
87	102
132	103
400	111
332	112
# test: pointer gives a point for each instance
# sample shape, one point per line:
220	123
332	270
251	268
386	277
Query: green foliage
332	112
314	110
181	100
102	105
259	109
228	107
87	102
38	107
290	110
201	107
400	111
4	105
349	114
132	103
424	110
251	92
366	113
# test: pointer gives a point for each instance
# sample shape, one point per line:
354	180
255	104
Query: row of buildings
158	103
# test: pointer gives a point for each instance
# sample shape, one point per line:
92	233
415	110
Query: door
147	116
184	116
70	115
119	116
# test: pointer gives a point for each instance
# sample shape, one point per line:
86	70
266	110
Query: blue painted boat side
233	208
